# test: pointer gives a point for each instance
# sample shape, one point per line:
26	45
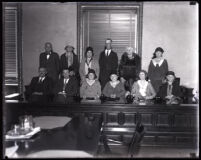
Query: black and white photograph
110	79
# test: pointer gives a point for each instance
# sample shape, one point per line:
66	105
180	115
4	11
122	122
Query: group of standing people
91	79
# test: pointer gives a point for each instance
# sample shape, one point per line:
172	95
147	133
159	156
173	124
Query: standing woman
69	59
158	68
129	67
88	63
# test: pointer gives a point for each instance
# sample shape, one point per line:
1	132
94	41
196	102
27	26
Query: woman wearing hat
114	89
91	88
88	63
142	89
170	91
158	68
69	59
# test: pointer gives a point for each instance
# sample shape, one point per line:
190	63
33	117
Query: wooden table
78	134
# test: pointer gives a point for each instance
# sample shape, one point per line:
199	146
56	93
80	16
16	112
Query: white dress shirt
107	52
41	79
48	56
66	81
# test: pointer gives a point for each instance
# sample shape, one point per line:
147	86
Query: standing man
108	62
50	60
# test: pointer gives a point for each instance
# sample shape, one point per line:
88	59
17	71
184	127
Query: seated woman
91	88
170	91
142	89
114	89
88	63
66	88
129	67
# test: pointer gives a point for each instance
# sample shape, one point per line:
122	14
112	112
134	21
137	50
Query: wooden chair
133	145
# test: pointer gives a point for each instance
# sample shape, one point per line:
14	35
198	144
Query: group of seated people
67	89
64	81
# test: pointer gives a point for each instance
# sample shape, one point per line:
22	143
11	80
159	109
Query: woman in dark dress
114	89
158	68
129	67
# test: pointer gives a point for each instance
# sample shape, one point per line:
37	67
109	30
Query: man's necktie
107	53
169	89
157	65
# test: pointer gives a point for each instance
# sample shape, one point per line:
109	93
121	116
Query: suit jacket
94	66
45	87
52	64
108	64
176	90
71	87
64	63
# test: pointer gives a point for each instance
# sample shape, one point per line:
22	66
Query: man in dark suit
50	60
108	62
170	91
40	88
66	88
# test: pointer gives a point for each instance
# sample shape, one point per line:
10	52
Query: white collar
90	82
114	84
159	63
41	78
140	83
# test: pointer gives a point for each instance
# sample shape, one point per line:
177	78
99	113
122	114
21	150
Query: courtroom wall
46	22
170	25
174	27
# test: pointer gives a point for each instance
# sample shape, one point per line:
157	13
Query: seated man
66	88
170	91
40	88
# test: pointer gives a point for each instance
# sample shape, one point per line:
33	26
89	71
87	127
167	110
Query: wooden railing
165	125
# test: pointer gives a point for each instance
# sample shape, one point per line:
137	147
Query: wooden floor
153	152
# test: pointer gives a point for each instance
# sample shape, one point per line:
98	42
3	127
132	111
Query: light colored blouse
92	65
142	91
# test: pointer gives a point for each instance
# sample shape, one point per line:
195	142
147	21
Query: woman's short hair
89	49
91	71
158	49
145	72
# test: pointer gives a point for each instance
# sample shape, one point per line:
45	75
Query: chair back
136	139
